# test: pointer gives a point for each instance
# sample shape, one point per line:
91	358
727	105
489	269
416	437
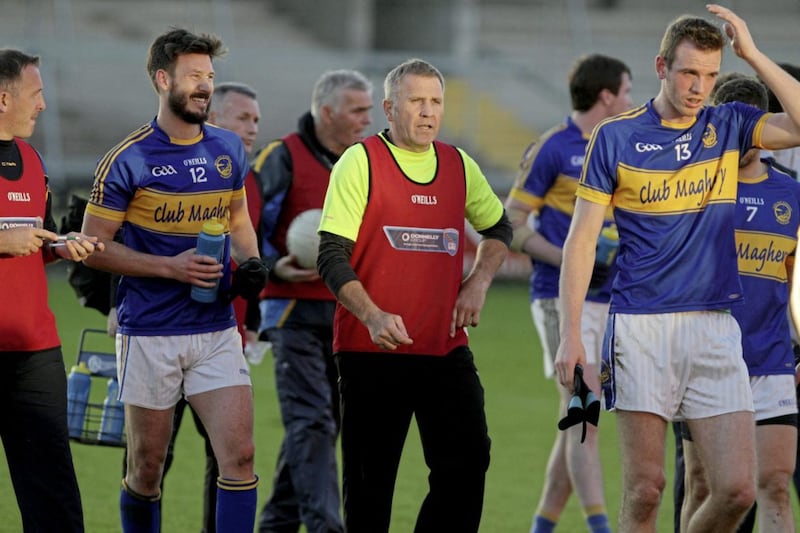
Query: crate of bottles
94	414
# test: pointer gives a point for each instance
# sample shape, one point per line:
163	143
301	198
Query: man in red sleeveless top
297	309
391	250
33	385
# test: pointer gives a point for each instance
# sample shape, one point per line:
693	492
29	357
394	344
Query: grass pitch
521	408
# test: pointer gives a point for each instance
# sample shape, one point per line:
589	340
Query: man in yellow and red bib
391	250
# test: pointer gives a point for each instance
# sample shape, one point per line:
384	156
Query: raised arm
782	130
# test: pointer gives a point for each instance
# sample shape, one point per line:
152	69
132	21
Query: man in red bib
297	308
33	386
391	250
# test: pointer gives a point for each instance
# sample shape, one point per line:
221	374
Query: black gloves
599	275
583	406
249	278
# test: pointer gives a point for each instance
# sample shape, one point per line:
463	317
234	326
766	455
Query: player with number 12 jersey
162	190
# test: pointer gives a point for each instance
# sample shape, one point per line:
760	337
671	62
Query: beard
178	104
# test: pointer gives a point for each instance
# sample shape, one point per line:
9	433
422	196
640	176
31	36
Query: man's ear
387	109
5	100
162	80
326	114
605	96
661	67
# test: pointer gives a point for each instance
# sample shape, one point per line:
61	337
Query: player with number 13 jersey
675	180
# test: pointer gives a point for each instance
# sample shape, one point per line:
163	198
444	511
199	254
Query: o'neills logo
19	196
423	199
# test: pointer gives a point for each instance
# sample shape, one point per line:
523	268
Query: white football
302	239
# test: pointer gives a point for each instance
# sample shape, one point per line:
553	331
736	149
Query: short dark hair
230	87
221	89
168	46
698	31
746	89
721	80
12	63
590	75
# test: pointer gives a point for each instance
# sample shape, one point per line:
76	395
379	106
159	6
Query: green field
521	408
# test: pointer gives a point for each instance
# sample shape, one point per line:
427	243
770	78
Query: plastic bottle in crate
79	383
113	419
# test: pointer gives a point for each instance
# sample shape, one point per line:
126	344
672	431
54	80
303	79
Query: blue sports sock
236	505
598	523
543	525
138	513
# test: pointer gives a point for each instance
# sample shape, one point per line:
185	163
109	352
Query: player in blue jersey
160	184
600	87
673	350
767	219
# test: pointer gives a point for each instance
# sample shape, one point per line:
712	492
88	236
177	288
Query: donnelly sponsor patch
17	222
423	239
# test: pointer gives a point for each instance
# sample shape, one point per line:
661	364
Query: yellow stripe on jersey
178	214
524	197
763	255
188	142
105	163
561	195
262	155
759	130
669	192
593	195
105	213
532	151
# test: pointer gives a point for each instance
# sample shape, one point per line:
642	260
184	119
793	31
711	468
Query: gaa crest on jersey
450	237
782	211
224	166
710	136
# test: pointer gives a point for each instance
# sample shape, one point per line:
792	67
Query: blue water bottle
79	383
113	419
210	242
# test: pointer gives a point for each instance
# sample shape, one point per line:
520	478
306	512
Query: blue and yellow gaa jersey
548	178
767	217
673	189
162	190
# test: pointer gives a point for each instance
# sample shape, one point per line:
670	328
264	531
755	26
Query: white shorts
679	366
154	371
593	327
773	396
